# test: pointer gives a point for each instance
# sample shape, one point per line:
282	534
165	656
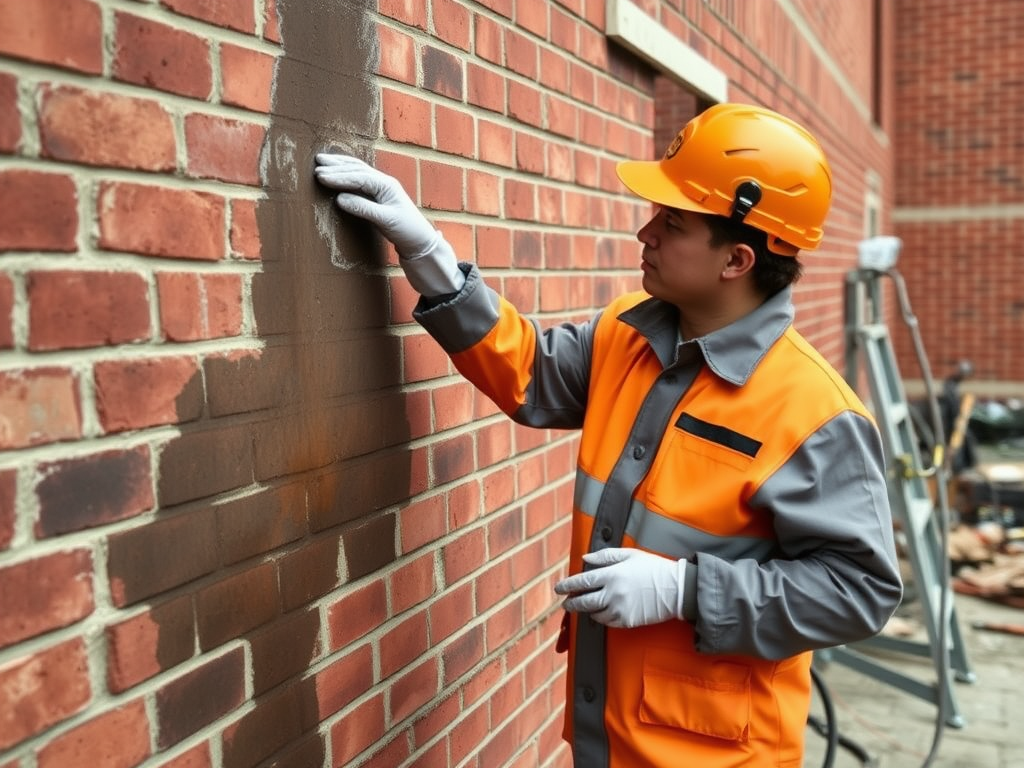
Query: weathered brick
442	72
145	561
233	14
41	690
159	56
105	129
452	22
246	77
94	490
38	211
10	117
272	27
412	584
460	655
115	739
397	55
65	33
223	149
200	697
284	649
199	464
38	406
236	604
44	594
411	13
70	309
150	643
133	394
158	221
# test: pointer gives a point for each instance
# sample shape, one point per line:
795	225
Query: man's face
679	265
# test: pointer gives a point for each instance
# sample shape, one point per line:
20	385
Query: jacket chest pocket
701	468
715	702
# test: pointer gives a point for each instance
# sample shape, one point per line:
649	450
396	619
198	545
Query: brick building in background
249	513
959	195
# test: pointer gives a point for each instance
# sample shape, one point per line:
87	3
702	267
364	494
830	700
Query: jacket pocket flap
716	704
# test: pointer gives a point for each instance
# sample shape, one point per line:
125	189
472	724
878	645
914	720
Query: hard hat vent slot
746	151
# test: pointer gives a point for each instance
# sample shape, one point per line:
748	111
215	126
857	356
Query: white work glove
626	588
427	258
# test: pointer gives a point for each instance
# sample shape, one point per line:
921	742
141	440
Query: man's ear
741	260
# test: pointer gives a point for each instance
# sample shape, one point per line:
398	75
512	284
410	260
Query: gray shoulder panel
836	579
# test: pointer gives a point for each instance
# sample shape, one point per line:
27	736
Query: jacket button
638	452
606	533
588	694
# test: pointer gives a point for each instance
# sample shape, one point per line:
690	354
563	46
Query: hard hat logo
673	148
715	164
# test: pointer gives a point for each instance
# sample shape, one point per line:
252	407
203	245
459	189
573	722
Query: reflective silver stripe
657	533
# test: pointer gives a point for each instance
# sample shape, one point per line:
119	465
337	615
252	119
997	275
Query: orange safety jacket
742	452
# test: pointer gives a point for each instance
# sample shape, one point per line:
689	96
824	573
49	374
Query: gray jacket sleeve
559	377
835	578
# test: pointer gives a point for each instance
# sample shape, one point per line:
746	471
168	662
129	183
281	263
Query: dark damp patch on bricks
311	428
442	73
75	494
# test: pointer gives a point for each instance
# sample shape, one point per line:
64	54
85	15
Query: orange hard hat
747	163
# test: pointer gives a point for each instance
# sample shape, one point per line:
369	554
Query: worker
730	511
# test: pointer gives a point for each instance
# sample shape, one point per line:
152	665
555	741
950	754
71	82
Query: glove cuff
433	271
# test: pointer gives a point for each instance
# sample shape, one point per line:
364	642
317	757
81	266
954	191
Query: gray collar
732	352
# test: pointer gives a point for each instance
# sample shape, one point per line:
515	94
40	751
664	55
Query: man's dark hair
771	272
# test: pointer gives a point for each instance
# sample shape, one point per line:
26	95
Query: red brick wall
960	185
249	513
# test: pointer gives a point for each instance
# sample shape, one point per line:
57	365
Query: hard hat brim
647	179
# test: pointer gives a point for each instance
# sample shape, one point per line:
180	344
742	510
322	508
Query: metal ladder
916	514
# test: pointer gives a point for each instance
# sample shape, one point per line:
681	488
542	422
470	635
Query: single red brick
106	129
43	689
341	681
44	594
38	211
245	231
118	738
80	493
247	77
38	406
227	150
357	730
413	689
10	118
159	56
356	614
70	310
133	394
6	312
407	119
66	33
397	55
223	304
157	221
452	22
412	14
233	14
152	642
